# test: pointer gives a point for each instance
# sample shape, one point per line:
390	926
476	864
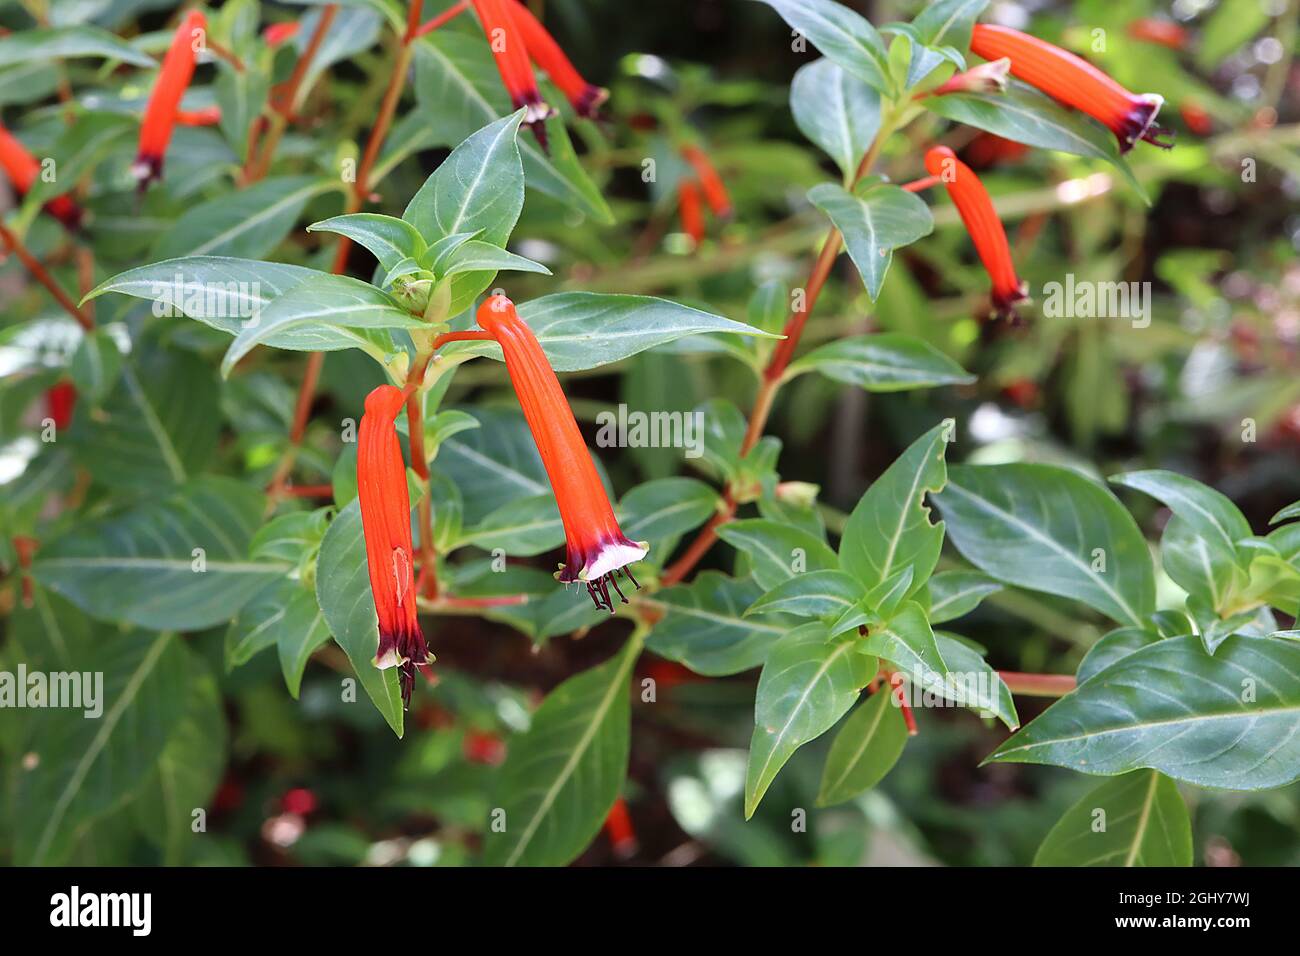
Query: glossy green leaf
521	528
1231	720
890	527
811	594
177	563
562	775
779	552
68	42
1138	819
582	330
837	111
808	683
956	593
388	238
864	750
665	508
87	768
1050	529
874	222
884	362
841	35
248	224
705	627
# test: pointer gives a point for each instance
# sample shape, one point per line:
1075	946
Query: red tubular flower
386	525
597	547
989	149
208	116
546	53
164	103
618	825
511	53
22	169
1161	32
981	221
688	204
1197	120
60	400
715	193
1074	82
277	33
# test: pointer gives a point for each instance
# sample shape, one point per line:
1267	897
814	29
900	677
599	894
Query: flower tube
506	41
23	169
597	549
386	526
1074	82
981	221
715	193
547	54
164	103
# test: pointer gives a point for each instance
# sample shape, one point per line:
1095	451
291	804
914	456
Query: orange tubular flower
715	193
386	525
688	204
60	400
1161	32
164	103
511	53
1074	82
989	149
597	547
981	221
208	116
22	169
546	53
277	33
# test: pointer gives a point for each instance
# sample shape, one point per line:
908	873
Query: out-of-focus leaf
1138	819
885	362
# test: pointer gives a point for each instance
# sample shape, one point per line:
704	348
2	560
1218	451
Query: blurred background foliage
1209	389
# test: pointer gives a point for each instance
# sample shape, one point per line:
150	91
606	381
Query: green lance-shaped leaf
477	256
179	563
972	683
285	615
1206	560
582	330
522	528
562	775
1229	721
864	750
459	91
705	628
907	641
779	552
956	593
941	32
226	293
841	35
343	593
1290	511
666	507
158	427
1113	645
890	527
885	362
388	238
1138	819
838	112
96	365
249	223
808	683
874	222
69	42
323	306
188	769
1025	115
1051	529
87	768
812	594
478	188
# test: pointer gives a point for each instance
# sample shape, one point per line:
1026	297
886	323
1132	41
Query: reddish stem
900	698
15	245
446	15
1038	685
